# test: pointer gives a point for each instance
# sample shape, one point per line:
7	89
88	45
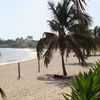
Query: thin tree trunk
38	65
19	75
63	65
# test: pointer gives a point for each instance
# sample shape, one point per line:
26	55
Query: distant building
29	38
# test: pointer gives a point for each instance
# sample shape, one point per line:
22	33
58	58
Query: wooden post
19	75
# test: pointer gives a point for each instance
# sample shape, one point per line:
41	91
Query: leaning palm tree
63	19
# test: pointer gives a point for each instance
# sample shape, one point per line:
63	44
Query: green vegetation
96	38
18	43
86	86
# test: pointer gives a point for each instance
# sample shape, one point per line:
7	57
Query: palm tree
66	14
96	38
96	32
54	42
78	26
64	17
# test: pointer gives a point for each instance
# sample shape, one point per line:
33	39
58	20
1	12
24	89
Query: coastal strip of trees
18	43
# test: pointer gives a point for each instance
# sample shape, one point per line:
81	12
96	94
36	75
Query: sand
37	86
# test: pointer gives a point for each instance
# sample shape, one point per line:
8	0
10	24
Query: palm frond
49	36
48	54
78	23
82	19
85	19
74	46
84	42
48	41
52	8
80	4
62	11
40	48
3	94
54	25
43	42
96	32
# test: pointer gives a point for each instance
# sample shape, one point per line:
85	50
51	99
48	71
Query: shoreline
17	61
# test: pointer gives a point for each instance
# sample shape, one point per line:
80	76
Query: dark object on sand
3	94
61	77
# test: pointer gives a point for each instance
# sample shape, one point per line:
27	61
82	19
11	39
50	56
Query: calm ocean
8	55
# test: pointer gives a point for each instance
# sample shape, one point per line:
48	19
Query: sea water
8	55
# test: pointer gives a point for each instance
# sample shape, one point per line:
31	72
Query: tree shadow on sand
58	80
80	65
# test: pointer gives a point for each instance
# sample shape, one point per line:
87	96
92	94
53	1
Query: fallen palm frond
3	94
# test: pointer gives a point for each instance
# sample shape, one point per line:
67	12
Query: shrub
86	86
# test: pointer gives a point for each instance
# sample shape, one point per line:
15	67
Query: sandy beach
37	86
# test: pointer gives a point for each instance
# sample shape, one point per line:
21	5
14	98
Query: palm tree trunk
38	65
63	65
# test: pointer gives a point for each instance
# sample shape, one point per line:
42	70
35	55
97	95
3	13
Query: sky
22	18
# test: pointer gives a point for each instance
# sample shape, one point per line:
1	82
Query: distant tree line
18	43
